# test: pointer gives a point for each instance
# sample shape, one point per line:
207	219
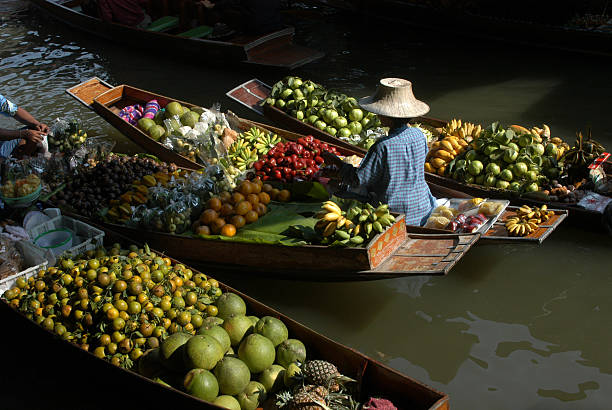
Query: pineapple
309	397
321	373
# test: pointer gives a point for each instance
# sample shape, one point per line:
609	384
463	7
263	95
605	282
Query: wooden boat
453	20
373	377
255	99
274	49
499	233
107	101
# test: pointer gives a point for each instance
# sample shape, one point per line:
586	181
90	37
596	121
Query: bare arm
35	136
26	118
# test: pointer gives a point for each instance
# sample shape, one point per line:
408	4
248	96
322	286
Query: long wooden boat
577	214
455	21
57	362
274	49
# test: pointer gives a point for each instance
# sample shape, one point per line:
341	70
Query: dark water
511	327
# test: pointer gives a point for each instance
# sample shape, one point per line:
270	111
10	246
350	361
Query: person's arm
26	118
34	136
368	173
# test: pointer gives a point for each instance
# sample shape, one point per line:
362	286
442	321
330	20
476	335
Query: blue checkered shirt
392	172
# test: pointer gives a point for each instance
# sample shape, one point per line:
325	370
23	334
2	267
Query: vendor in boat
25	140
392	172
126	12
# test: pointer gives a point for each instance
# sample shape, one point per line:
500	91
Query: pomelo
290	351
189	118
171	350
254	319
212	321
202	352
272	328
252	396
145	123
230	304
237	327
219	334
202	384
273	378
290	377
228	402
232	374
149	364
156	132
257	352
173	108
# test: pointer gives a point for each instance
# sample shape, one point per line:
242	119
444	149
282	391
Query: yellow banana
340	222
329	229
330	208
332	216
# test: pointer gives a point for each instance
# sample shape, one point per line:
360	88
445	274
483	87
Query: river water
511	326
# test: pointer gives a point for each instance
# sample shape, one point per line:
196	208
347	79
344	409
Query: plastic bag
177	218
159	197
10	258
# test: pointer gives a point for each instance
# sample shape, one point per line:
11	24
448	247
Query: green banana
356	240
341	235
368	228
377	227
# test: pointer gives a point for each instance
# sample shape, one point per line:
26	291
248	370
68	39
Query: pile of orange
228	212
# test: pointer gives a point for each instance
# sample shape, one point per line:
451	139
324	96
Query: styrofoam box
84	234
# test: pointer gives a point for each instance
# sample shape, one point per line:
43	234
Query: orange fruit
274	193
267	188
261	209
227	209
237	197
194	226
264	198
214	203
238	221
245	188
243	207
257	185
208	216
202	230
216	225
284	195
228	230
251	216
225	196
253	199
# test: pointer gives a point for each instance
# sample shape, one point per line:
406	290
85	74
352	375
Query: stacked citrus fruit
230	211
118	302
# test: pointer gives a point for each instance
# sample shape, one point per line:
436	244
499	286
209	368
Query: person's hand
34	136
43	127
331	159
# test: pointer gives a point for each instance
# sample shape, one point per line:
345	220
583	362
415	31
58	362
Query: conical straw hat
394	98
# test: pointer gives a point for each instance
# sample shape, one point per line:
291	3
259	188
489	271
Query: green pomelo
230	304
156	132
171	350
273	378
272	328
257	352
145	123
149	364
228	402
237	327
252	396
290	351
202	352
233	375
189	118
219	334
254	319
202	384
173	108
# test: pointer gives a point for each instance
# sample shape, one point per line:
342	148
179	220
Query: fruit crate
9	282
383	245
84	234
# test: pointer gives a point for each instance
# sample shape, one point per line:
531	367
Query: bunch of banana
265	142
237	147
456	137
356	226
463	130
527	220
245	158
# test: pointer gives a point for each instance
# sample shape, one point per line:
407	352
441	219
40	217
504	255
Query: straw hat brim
411	109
